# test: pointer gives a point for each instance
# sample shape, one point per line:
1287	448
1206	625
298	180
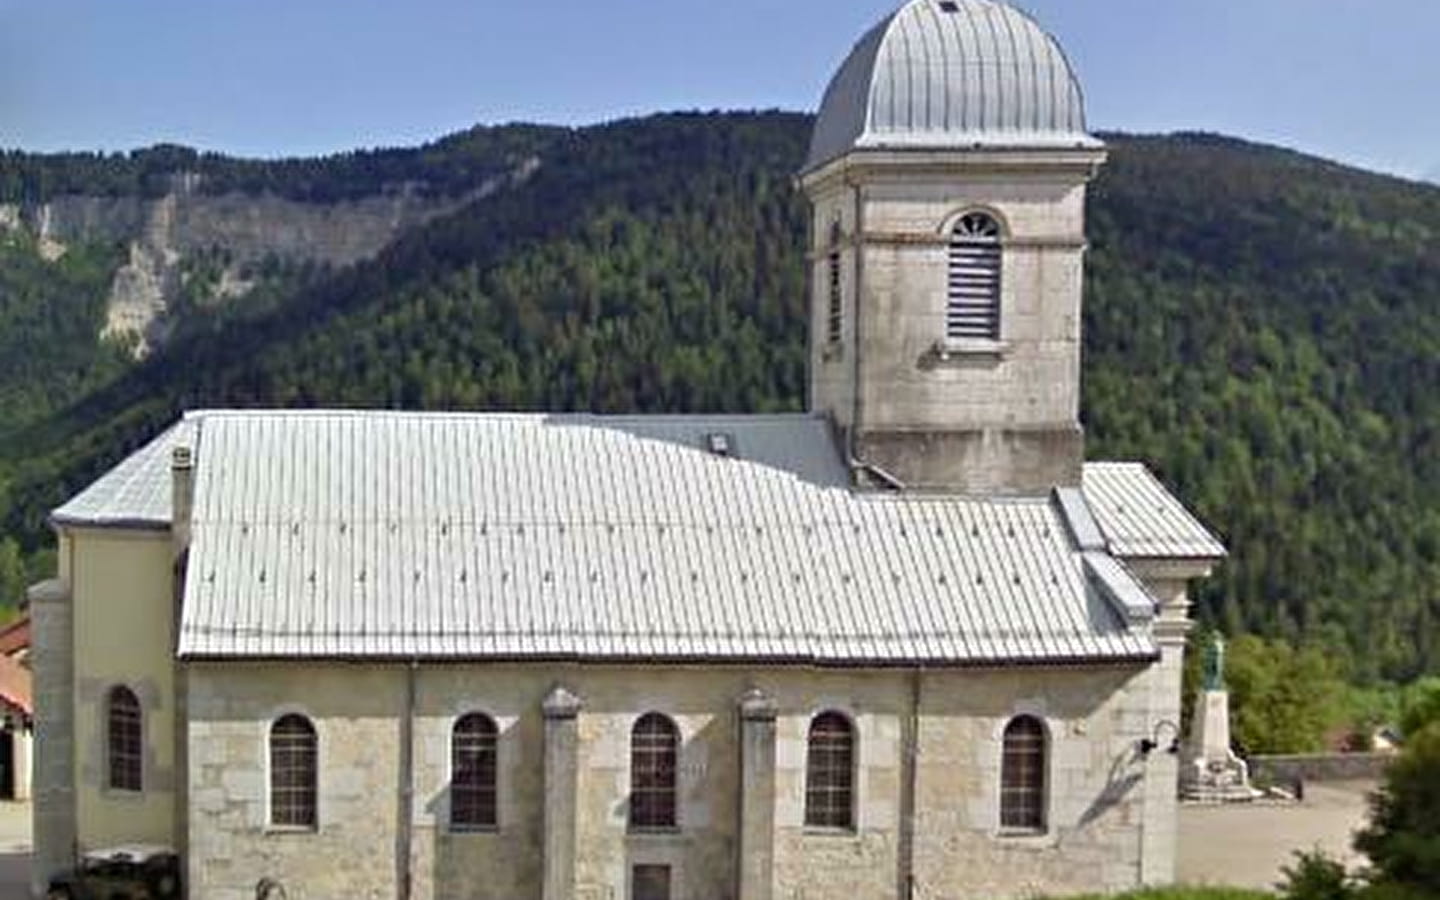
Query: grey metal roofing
939	74
403	535
136	493
324	534
1141	519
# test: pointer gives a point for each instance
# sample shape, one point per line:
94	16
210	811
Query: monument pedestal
1212	773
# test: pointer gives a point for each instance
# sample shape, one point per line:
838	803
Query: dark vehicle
131	872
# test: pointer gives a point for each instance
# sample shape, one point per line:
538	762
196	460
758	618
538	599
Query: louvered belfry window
835	318
830	772
654	756
1022	776
972	308
473	773
293	772
124	740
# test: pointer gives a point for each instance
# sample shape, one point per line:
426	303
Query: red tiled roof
15	685
15	637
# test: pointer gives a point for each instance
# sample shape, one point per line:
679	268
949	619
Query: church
908	644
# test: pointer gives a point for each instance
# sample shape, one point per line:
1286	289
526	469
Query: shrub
1316	876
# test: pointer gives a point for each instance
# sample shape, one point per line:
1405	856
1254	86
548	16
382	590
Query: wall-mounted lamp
1155	741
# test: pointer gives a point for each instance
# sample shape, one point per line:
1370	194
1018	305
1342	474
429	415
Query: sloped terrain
1263	327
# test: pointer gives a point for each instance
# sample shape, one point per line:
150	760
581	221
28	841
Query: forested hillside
1262	327
449	166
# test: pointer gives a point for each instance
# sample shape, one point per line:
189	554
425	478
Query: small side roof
134	494
1141	519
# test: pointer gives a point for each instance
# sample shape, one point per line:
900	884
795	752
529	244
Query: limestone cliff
162	233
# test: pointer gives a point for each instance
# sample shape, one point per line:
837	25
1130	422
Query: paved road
1245	845
14	851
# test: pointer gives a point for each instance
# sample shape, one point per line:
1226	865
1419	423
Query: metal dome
950	74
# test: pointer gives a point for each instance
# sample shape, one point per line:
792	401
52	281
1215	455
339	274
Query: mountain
1261	326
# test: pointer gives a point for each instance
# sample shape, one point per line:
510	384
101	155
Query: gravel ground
14	851
1245	845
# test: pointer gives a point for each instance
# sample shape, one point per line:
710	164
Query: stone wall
231	843
1096	776
1285	770
1095	719
976	416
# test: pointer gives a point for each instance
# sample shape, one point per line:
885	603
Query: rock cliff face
162	233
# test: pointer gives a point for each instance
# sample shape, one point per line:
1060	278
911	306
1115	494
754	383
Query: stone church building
905	645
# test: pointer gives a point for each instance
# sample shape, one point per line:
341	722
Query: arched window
654	752
473	772
293	772
835	320
972	308
124	747
1022	776
830	772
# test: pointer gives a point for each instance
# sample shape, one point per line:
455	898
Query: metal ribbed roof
943	74
472	536
136	493
1141	519
402	534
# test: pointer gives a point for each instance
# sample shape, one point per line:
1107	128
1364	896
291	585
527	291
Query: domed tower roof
951	74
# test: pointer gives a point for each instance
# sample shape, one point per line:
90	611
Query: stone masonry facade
563	782
990	418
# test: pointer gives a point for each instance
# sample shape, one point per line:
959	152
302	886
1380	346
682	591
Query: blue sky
1356	80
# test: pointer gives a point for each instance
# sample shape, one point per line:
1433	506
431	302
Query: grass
1185	893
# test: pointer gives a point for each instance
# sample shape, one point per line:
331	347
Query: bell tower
947	178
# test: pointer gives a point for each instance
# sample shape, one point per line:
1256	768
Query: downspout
404	832
909	760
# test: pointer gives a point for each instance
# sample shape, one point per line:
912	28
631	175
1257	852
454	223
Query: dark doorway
7	764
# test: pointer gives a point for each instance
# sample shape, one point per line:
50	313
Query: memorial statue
1212	771
1215	664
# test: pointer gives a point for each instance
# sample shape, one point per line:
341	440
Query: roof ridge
199	415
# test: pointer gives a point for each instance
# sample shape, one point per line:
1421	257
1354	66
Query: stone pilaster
562	750
54	770
1162	768
757	796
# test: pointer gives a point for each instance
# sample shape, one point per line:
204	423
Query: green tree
1403	837
1420	706
1283	700
13	574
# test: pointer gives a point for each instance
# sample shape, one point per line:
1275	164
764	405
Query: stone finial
181	458
756	705
562	703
